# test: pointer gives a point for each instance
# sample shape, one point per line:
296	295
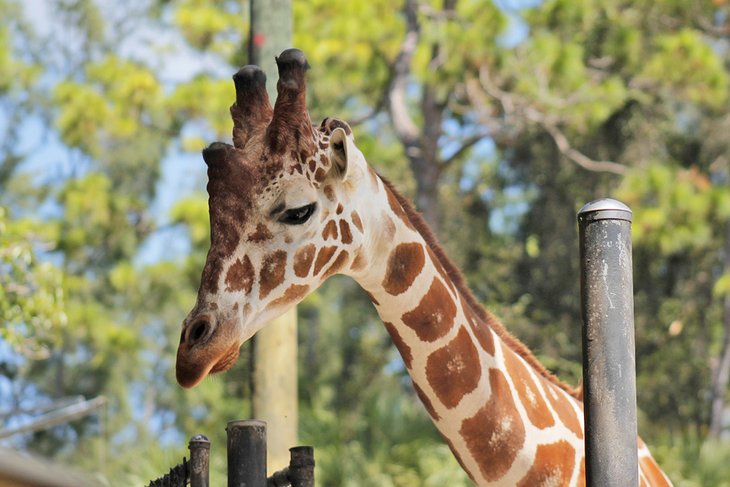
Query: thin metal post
199	466
609	371
246	453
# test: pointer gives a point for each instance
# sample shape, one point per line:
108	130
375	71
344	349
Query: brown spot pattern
356	220
481	330
303	260
337	264
330	230
320	175
398	209
400	344
440	268
454	370
562	406
293	293
339	209
345	233
360	261
495	434
329	192
373	178
405	263
553	465
652	472
272	272
240	276
530	396
426	402
323	256
261	234
434	315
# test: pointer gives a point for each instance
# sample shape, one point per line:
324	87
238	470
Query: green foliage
676	210
641	84
32	302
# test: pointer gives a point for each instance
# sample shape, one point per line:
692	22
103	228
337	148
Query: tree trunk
721	377
274	352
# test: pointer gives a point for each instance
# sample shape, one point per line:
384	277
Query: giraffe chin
190	374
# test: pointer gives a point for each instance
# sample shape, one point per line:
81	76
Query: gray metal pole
246	453
199	461
609	371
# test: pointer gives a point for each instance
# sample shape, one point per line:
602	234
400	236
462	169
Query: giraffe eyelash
298	216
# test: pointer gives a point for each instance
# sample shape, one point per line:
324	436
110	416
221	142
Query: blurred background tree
501	119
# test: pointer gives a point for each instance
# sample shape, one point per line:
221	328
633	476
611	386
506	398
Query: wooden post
274	357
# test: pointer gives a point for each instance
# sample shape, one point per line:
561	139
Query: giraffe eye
297	216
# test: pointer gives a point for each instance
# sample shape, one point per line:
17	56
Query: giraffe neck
506	421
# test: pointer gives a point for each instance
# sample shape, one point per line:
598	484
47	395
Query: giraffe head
281	214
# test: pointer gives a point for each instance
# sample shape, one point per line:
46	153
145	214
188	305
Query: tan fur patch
398	209
426	402
345	233
400	344
530	396
261	234
434	315
330	230
480	330
337	264
495	434
293	293
356	220
553	465
652	472
560	402
329	192
454	370
273	270
405	263
240	276
360	261
323	256
303	260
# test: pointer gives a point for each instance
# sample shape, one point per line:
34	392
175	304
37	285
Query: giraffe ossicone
292	204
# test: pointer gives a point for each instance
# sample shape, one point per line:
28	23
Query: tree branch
466	144
405	127
517	107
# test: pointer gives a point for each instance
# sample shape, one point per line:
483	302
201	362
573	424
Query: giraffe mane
486	318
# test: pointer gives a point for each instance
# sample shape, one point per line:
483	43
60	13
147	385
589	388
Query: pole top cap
604	209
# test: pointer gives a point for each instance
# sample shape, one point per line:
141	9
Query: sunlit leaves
32	301
674	210
683	64
117	100
215	27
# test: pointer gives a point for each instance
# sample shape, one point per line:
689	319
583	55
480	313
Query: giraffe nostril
197	331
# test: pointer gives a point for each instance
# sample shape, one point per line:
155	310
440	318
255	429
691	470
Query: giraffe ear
341	148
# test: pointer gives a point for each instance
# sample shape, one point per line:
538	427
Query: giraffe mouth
191	370
227	360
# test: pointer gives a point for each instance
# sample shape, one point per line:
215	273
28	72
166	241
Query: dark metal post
609	371
301	466
246	453
199	465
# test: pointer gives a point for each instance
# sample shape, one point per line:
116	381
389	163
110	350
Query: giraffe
292	204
